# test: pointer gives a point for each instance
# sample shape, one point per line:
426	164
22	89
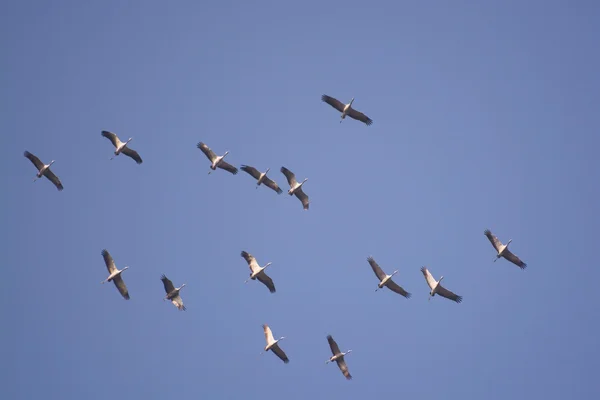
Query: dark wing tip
324	97
60	187
163	277
458	299
272	290
104	252
26	153
329	337
487	232
244	254
369	122
408	295
126	297
200	145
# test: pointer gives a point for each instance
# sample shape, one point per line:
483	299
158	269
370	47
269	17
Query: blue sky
485	116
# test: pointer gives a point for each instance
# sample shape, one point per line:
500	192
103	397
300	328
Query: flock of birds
256	271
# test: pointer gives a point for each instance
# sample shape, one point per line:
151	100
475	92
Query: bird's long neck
507	243
128	140
267	171
52	162
351	101
267	264
395	272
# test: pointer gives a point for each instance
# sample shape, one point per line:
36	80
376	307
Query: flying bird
503	250
115	274
173	293
257	272
338	357
386	280
261	177
121	147
346	109
437	288
273	344
295	187
216	161
44	170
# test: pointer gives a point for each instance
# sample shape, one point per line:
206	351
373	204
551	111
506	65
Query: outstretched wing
303	197
268	334
271	184
228	167
207	151
430	281
377	269
133	154
108	260
120	284
178	302
267	281
251	171
357	115
280	353
514	259
289	175
167	284
335	349
333	102
493	240
53	178
442	291
341	362
35	161
394	287
250	260
114	139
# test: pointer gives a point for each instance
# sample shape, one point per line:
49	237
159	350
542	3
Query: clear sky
485	116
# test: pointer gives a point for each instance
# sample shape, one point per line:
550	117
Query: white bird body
436	287
295	187
44	170
261	178
257	272
503	251
115	274
386	280
346	109
273	345
216	161
338	357
173	293
121	147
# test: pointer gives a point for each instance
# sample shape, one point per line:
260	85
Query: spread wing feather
133	154
34	160
377	269
167	284
333	102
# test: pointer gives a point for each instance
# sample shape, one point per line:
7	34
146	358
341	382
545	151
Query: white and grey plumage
216	161
437	288
115	274
386	280
173	293
273	344
295	187
257	272
346	109
503	250
338	357
121	147
44	170
261	177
